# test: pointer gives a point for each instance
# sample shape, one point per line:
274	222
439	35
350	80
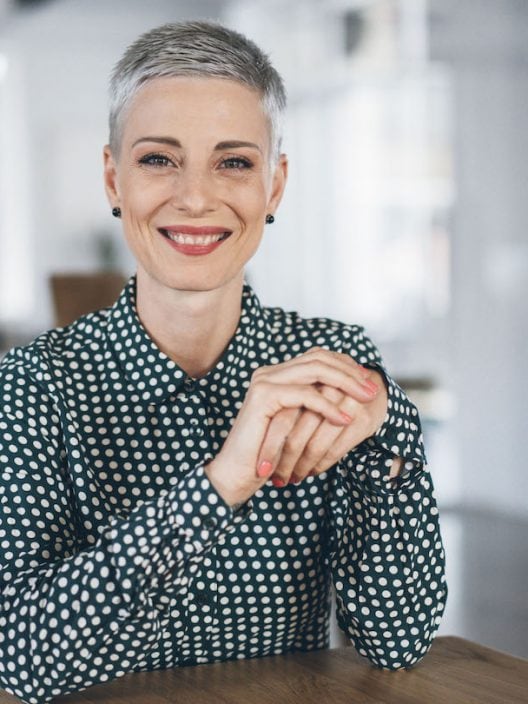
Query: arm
76	610
74	614
386	552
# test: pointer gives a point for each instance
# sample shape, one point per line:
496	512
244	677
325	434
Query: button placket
203	593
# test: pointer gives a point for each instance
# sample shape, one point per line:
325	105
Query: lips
201	240
194	241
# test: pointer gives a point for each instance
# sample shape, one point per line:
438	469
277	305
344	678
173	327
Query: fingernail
345	417
294	479
277	482
371	387
264	469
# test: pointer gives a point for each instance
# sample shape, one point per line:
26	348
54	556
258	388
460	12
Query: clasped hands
299	418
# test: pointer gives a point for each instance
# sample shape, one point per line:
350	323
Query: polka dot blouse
118	555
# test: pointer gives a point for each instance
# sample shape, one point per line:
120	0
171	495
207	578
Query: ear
110	177
280	176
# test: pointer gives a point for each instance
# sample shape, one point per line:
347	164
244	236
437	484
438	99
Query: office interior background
406	211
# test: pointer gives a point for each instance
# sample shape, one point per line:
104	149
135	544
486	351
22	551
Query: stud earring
269	219
116	212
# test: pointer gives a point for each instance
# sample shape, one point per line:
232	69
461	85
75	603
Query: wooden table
455	671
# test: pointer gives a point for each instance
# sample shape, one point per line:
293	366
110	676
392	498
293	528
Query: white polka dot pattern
117	554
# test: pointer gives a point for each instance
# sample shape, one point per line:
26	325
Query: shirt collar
153	374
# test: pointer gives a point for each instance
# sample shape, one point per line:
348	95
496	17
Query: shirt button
188	384
209	523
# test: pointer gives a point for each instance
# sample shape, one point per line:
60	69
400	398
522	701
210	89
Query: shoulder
296	334
55	349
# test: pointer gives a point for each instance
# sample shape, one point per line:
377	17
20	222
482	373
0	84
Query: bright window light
3	66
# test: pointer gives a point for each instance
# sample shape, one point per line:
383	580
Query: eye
158	160
236	162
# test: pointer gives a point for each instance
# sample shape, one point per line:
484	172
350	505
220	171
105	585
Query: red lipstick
194	240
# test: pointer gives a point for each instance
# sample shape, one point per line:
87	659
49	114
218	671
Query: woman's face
194	166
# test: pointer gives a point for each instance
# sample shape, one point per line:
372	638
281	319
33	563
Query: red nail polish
294	480
264	469
371	387
277	482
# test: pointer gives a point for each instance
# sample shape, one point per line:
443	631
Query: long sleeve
116	553
73	614
386	550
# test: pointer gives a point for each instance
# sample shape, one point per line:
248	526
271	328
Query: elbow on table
396	660
397	654
403	660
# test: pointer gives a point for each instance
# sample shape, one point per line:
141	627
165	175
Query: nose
194	192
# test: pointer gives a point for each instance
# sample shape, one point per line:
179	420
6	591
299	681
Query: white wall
486	44
61	56
65	53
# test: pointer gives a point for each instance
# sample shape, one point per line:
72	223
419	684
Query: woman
184	474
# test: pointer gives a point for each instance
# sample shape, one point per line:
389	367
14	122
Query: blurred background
406	211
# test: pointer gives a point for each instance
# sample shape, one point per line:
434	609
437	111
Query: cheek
136	244
252	201
141	196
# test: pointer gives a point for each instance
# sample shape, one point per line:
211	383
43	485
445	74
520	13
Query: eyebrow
229	144
233	144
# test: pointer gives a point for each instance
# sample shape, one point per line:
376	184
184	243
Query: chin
194	282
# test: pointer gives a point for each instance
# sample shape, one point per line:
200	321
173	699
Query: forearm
388	565
387	554
103	599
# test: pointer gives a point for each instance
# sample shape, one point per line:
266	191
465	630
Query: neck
193	328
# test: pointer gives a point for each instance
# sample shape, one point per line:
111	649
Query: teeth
194	239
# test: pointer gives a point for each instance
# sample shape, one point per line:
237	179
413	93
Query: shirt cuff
400	434
154	545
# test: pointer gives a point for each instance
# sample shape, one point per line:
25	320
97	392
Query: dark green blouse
117	554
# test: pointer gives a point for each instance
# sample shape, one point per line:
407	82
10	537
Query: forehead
196	107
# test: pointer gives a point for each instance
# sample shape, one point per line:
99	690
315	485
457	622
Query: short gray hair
195	48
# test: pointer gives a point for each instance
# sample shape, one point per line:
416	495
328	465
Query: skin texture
195	152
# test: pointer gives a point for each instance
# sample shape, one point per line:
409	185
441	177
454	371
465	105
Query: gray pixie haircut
203	49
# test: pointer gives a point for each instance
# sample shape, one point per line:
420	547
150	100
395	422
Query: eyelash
155	159
160	161
241	163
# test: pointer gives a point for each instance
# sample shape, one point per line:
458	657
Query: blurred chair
74	295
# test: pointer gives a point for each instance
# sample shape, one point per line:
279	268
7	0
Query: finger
367	419
347	440
345	362
271	398
278	429
317	371
320	449
342	360
294	446
339	357
298	438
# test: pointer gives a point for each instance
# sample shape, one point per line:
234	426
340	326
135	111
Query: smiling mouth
196	240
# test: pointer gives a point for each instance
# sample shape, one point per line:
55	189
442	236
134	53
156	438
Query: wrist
229	494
